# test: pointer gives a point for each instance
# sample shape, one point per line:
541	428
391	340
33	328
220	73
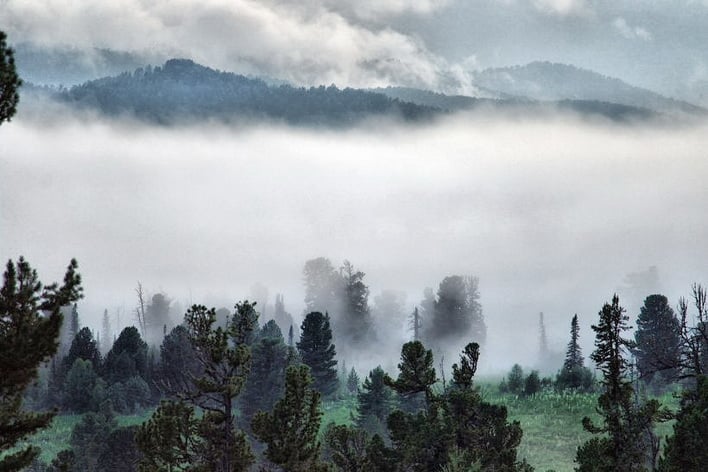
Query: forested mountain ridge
547	81
182	90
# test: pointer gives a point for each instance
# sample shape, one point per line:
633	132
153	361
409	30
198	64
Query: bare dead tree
140	309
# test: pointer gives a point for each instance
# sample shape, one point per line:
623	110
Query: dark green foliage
687	449
30	320
290	430
183	91
9	81
457	313
121	453
63	462
658	340
170	440
89	439
574	375
127	358
628	426
532	384
226	357
416	372
345	447
83	346
379	457
375	402
457	426
318	352
266	381
515	380
79	386
179	365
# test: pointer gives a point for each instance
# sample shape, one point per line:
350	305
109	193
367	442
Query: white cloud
562	7
631	32
303	42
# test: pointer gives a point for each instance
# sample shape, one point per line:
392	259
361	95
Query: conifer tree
83	346
626	424
355	319
9	81
574	375
290	430
375	402
30	320
415	324
416	373
352	382
658	340
318	352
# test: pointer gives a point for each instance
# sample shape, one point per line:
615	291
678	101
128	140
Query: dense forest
226	390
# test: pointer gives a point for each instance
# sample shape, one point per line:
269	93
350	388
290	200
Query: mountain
183	91
546	81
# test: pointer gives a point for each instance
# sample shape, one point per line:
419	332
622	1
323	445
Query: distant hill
183	91
546	81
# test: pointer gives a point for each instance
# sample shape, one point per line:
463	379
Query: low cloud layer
550	215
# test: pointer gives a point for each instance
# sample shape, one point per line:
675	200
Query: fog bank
550	215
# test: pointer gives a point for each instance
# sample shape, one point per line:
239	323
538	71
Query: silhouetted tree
658	340
83	347
78	386
415	324
457	312
375	402
266	381
280	315
157	318
322	286
30	320
574	375
515	380
318	352
127	358
179	365
9	81
352	382
626	424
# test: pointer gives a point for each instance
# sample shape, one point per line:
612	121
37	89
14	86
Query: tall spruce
574	375
290	430
457	313
627	426
658	340
318	352
30	320
354	323
9	81
375	401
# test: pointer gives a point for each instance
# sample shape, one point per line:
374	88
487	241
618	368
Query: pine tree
416	373
515	379
127	358
322	286
83	347
658	340
290	430
74	323
9	81
318	352
30	320
415	324
457	313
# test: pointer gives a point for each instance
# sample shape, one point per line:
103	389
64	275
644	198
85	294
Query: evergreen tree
352	382
515	380
157	318
83	347
355	320
290	430
416	373
266	381
687	449
375	402
280	315
658	340
346	448
626	425
9	81
456	313
170	440
30	320
89	439
574	375
78	386
532	384
127	358
121	453
415	324
318	352
226	357
179	365
322	286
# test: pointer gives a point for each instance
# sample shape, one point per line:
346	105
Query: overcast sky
659	44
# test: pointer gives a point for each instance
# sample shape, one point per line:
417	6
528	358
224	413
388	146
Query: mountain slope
545	81
183	91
